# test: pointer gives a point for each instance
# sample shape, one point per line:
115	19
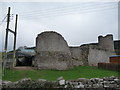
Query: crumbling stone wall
103	51
106	42
84	54
98	55
76	56
92	54
52	52
80	55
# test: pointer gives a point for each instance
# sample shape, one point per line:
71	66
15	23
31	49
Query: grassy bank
0	56
77	72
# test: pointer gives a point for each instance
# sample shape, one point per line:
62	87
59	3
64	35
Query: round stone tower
52	52
106	42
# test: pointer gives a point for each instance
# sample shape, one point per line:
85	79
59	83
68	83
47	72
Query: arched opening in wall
24	61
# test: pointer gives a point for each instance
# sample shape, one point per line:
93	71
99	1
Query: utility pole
6	41
15	35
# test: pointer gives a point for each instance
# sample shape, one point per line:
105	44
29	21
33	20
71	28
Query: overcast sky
78	22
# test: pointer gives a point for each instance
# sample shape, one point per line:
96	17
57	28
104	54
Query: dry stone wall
105	83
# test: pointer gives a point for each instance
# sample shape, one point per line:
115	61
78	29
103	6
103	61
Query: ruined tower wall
52	52
51	41
103	51
106	42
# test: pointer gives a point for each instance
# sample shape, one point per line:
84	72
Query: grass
0	56
77	72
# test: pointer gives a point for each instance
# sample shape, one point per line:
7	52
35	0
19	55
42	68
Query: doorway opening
24	61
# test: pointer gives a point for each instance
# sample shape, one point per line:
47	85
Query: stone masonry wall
51	41
52	52
53	60
92	54
106	42
84	54
98	55
80	55
76	56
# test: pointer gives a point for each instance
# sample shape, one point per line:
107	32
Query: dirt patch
23	68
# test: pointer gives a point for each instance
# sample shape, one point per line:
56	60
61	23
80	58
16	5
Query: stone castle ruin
106	42
53	52
92	54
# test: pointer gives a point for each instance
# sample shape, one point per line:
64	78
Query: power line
11	18
37	17
63	11
71	12
68	7
3	20
53	8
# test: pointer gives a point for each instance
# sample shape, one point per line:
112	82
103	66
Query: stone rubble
103	83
